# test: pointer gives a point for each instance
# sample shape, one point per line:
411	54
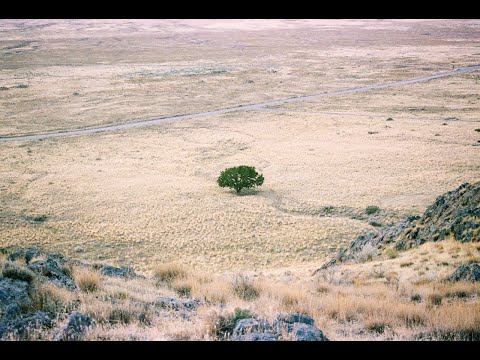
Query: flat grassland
145	196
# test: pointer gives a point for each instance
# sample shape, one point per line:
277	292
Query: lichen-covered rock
466	272
251	325
455	214
284	322
177	304
26	254
305	332
50	269
76	325
21	326
13	296
123	272
255	337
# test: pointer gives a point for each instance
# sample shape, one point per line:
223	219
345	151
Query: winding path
166	119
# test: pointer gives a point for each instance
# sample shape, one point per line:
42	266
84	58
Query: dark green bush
240	177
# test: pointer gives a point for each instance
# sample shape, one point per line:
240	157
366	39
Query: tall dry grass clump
165	274
52	299
87	280
244	288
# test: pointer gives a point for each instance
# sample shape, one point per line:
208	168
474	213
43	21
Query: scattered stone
76	325
466	272
112	271
444	124
76	94
451	118
250	82
389	119
2	88
50	269
373	132
177	304
21	86
437	134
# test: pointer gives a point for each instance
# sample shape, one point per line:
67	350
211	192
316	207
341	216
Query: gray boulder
253	330
255	337
123	272
297	327
284	322
466	272
305	332
251	325
23	325
50	269
76	325
13	296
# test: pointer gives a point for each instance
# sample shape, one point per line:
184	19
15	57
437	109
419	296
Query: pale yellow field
145	196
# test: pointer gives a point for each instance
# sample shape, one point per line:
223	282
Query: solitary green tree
240	177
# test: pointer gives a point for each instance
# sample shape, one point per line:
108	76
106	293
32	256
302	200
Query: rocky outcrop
24	254
24	324
466	272
456	214
294	327
13	297
51	270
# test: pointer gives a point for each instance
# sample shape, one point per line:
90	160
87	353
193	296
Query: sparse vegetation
244	288
37	218
240	177
371	209
391	253
224	324
17	272
183	287
87	280
166	273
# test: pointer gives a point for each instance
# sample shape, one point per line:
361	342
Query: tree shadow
246	192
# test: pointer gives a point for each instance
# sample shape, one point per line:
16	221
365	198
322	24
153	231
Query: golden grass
87	280
244	288
173	209
166	273
52	299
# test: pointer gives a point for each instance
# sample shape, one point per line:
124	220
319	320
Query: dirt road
251	107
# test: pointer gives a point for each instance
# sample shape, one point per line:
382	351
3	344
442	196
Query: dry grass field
148	198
